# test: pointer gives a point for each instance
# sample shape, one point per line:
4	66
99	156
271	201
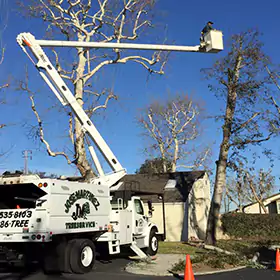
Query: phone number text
15	214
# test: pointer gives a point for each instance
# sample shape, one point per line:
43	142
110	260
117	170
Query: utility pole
26	154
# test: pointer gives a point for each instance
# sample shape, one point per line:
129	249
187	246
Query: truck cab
130	225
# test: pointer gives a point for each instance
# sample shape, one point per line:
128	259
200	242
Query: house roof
149	186
266	201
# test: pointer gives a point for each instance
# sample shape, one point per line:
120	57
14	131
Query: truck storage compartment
19	196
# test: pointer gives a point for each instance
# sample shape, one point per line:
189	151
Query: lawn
207	259
202	259
242	247
177	248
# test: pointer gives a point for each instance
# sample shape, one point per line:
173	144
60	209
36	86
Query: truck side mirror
150	207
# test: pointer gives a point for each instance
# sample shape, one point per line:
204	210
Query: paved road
114	270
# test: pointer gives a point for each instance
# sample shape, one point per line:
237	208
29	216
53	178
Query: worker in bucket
205	30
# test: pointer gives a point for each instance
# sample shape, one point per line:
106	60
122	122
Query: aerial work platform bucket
214	41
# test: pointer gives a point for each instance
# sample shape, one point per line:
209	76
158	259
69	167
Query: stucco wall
270	205
174	216
199	205
254	209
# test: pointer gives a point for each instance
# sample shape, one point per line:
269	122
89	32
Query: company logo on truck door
81	211
84	210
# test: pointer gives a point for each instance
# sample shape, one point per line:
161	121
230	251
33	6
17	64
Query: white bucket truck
60	222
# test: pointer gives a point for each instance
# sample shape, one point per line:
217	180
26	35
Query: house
181	201
271	203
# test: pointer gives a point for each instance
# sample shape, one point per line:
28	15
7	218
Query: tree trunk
164	162
220	183
220	180
79	144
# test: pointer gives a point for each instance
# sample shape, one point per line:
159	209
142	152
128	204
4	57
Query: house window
138	207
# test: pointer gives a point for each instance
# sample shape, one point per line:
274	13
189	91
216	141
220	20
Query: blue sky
184	20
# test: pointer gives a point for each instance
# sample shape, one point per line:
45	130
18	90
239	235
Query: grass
177	248
212	260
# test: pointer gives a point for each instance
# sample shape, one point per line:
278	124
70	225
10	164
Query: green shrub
240	225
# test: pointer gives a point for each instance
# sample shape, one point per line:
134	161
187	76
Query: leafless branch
1	61
276	105
41	133
273	77
2	56
230	197
23	85
243	125
104	106
63	73
199	162
251	141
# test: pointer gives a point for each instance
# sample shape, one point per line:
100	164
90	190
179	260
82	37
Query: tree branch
230	197
251	141
243	125
276	105
41	133
272	77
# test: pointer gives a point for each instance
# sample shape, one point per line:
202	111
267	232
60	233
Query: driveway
114	270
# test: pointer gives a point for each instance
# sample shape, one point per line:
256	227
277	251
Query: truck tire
153	244
82	256
66	256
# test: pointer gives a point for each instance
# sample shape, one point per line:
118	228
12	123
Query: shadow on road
105	263
16	272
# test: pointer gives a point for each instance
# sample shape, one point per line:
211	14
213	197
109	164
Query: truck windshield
19	196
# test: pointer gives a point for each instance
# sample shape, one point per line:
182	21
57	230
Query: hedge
242	225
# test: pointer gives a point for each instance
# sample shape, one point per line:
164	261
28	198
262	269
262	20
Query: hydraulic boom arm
65	96
214	44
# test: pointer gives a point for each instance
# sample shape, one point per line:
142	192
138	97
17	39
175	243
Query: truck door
138	216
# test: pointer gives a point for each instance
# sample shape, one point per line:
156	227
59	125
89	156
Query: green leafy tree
155	166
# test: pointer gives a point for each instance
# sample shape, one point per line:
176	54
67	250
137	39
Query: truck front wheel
82	256
153	244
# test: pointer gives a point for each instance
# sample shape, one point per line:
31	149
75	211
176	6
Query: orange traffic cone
277	266
188	275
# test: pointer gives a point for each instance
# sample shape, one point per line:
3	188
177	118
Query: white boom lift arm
214	44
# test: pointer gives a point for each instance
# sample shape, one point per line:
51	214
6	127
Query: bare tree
172	127
257	186
94	20
236	192
243	85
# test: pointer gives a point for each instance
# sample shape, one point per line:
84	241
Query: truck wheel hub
86	256
154	243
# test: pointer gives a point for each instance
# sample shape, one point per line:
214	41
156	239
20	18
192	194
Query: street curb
132	271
